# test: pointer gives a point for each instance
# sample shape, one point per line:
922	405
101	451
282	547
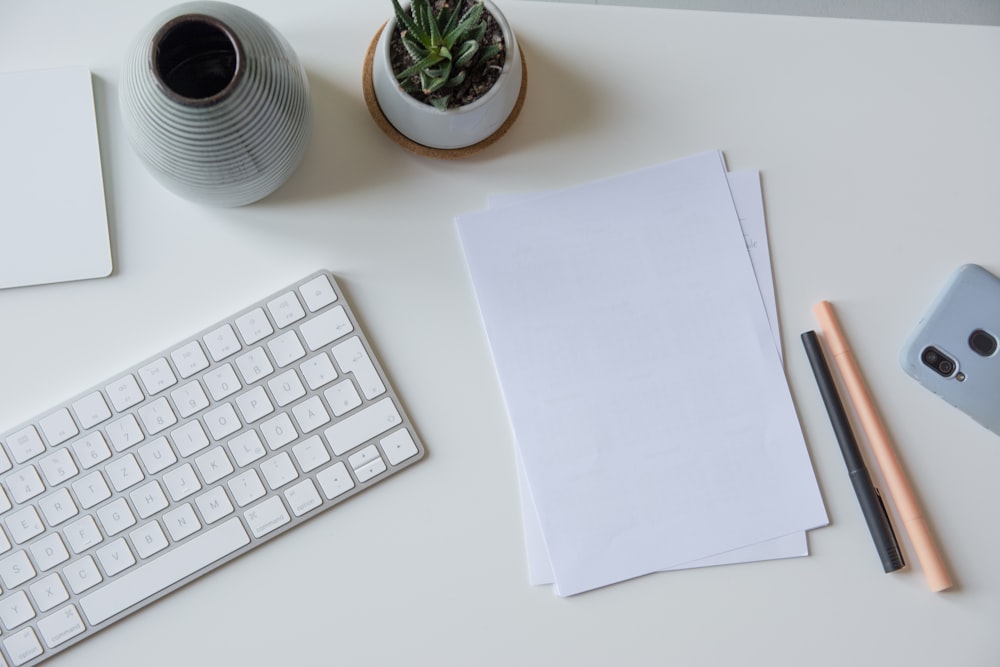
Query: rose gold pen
899	487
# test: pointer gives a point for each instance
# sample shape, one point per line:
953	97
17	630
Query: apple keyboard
187	460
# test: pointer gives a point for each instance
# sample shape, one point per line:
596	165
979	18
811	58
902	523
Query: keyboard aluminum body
187	460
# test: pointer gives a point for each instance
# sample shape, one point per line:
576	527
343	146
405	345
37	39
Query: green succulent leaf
441	102
409	26
465	53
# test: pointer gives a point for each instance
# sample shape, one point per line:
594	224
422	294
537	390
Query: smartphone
953	351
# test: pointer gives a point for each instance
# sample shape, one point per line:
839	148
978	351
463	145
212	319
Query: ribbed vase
215	102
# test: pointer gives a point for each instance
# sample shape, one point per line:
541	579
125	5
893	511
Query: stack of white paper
654	426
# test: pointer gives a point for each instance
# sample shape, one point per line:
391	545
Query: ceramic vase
215	103
452	128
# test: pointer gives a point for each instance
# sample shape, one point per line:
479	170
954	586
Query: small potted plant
445	77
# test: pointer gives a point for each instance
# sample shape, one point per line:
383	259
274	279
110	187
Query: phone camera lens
938	361
982	343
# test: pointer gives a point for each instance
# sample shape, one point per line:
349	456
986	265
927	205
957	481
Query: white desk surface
878	144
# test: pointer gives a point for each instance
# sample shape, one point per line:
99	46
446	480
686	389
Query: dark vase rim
222	27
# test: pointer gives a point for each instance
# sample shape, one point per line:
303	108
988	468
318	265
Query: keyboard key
58	427
61	626
115	517
278	470
48	592
58	507
83	534
91	450
15	610
16	569
254	326
335	480
58	467
222	343
286	388
254	365
82	575
23	525
91	490
157	376
189	438
285	310
25	444
254	405
124	393
310	414
124	472
370	470
277	431
181	482
148	499
363	456
303	497
246	448
317	293
214	465
168	569
398	446
222	382
115	557
124	433
214	505
362	426
286	349
157	416
353	358
311	454
181	522
22	646
157	455
246	488
326	328
267	516
222	421
189	399
49	552
148	539
189	359
91	410
342	397
25	484
318	371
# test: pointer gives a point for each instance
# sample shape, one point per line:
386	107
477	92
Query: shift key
362	426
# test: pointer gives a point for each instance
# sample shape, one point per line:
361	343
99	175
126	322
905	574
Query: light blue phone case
960	328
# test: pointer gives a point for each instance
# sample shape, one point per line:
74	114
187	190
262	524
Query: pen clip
895	554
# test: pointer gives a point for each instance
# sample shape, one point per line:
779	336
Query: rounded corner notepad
53	219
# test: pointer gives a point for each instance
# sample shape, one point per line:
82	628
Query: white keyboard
135	487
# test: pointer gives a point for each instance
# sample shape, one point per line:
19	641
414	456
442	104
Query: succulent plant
445	45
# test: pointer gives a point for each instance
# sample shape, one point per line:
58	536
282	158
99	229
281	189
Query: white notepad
53	220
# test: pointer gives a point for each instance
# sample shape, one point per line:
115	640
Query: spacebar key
168	569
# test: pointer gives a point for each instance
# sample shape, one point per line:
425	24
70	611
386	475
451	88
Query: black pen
871	501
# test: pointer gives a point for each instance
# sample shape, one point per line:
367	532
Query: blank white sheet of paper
747	197
644	389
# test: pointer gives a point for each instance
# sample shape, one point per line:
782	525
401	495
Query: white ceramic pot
452	128
215	102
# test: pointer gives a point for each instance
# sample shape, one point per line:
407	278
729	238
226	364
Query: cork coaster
420	149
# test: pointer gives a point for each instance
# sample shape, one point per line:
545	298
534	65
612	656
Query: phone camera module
938	361
982	343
